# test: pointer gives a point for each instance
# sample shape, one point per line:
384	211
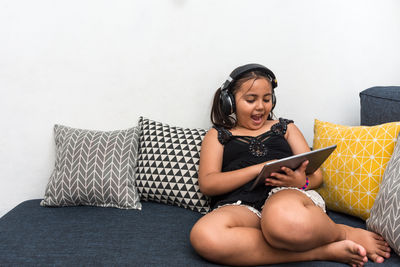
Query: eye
267	100
250	99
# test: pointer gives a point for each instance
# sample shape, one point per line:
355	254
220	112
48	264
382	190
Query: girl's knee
205	240
286	227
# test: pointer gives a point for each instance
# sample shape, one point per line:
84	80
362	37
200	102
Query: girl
283	220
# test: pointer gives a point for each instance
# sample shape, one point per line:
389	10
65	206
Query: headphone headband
239	71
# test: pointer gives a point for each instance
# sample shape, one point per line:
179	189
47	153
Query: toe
377	237
377	259
386	255
383	252
362	251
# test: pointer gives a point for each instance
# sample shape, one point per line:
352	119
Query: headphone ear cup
233	103
227	102
273	100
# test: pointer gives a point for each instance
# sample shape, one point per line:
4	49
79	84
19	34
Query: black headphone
227	100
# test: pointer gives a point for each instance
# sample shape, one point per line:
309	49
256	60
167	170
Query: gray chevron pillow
168	163
385	213
94	168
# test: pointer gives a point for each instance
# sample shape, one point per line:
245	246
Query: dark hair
219	118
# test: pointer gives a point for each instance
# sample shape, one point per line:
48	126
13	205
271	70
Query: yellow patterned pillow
353	172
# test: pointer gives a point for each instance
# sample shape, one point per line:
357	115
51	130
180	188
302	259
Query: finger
303	166
272	182
278	176
268	182
287	170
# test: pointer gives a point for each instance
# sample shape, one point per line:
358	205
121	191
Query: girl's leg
290	220
232	235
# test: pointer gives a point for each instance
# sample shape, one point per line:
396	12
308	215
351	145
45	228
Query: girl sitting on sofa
283	220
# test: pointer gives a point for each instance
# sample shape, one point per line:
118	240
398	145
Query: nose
259	104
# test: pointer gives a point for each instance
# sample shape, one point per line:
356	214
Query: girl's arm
296	178
211	180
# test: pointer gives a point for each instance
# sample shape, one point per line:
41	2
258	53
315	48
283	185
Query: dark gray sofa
157	235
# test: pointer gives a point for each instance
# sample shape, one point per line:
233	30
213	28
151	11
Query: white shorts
312	194
239	203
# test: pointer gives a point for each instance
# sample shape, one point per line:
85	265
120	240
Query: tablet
315	158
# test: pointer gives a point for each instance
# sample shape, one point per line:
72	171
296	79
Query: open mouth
257	118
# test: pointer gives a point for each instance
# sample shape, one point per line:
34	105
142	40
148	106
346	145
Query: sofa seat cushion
157	235
96	236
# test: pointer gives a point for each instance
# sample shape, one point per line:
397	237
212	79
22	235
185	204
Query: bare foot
377	248
345	251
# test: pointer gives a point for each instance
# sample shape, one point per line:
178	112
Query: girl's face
253	103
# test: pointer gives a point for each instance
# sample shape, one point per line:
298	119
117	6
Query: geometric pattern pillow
94	168
385	213
168	164
353	172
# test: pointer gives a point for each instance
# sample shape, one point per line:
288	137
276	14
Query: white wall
100	64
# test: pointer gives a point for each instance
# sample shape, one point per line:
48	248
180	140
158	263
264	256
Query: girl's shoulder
224	135
210	140
281	126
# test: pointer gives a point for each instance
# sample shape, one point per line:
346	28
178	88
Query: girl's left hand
289	178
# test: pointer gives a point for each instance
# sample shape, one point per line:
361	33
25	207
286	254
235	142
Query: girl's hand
289	178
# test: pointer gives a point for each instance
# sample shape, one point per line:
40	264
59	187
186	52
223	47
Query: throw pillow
94	168
353	172
385	213
168	162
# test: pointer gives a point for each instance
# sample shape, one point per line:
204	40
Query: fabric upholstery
353	172
168	163
94	168
379	105
157	235
385	213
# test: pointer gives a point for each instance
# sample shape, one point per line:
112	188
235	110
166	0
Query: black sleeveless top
244	151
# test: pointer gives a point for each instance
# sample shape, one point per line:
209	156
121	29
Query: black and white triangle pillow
94	168
168	163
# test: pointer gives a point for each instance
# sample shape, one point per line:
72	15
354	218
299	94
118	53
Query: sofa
146	226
